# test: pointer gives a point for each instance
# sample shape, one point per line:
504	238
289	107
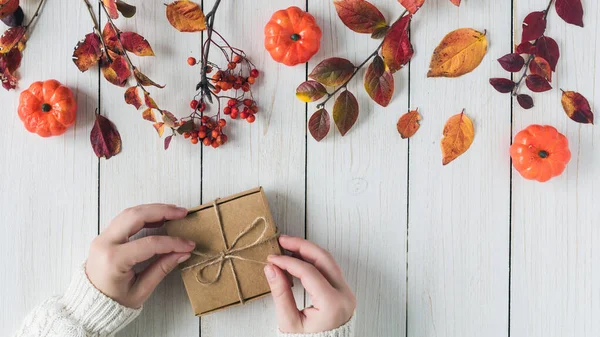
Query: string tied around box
230	253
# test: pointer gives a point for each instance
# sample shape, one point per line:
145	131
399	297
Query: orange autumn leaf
160	128
412	5
132	97
577	107
116	70
148	115
137	44
455	2
144	80
459	53
186	16
149	101
111	8
458	137
408	124
87	52
540	66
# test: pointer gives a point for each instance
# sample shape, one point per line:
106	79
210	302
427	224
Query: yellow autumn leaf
459	53
458	137
186	16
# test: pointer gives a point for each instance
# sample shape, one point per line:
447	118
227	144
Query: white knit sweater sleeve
346	330
82	312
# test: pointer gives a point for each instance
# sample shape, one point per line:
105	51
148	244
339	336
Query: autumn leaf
534	26
333	71
126	9
537	83
319	124
310	91
577	107
503	85
160	128
137	44
10	38
459	53
408	124
8	7
116	70
169	119
571	11
188	126
132	97
455	2
15	18
149	101
379	82
168	141
512	62
360	16
105	139
87	52
144	80
12	60
540	66
525	47
345	111
412	5
148	115
186	16
547	49
111	7
397	49
525	101
458	137
109	36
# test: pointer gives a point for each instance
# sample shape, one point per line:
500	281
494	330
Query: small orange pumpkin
47	108
540	153
292	36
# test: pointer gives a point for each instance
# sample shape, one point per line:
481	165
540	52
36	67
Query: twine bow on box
230	253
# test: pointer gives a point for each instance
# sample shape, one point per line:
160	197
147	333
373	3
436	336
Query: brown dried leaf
408	124
148	115
149	101
577	107
169	119
144	80
105	139
132	97
87	52
345	111
540	66
116	71
458	137
126	9
111	7
137	44
333	71
186	16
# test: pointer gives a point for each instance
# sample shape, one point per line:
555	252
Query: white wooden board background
470	249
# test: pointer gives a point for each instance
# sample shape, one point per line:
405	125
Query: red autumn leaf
360	16
503	85
144	80
571	11
10	38
525	101
169	119
380	33
126	9
105	139
168	142
319	124
525	47
379	82
408	124
512	62
397	49
9	81
148	115
160	128
539	66
12	60
109	35
345	111
15	18
333	71
149	101
137	44
8	7
111	7
455	2
547	49
537	83
87	52
116	70
412	5
132	97
310	91
577	107
534	26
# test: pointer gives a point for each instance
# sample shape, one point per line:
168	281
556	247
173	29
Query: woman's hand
333	301
112	256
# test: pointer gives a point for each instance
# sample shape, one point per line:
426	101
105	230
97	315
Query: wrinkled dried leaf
577	107
512	62
186	16
360	16
137	44
149	101
148	115
319	124
144	80
132	97
12	60
379	82
459	53
408	124
458	137
126	9
412	5
160	128
87	52
503	85
310	91
525	47
537	83
116	71
525	101
547	49
8	7
397	49
169	119
111	7
15	18
333	71
10	38
105	139
109	35
168	141
571	11
345	111
540	66
534	26
188	126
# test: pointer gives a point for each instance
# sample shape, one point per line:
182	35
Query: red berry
222	122
194	104
215	134
202	128
235	110
206	141
237	59
201	134
246	87
251	119
217	89
231	65
215	144
244	115
227	110
254	73
194	140
232	102
205	119
187	135
208	69
254	108
202	107
251	80
191	61
223	139
233	115
248	102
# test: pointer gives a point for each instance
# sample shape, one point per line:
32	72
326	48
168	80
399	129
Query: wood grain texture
356	185
48	193
555	271
270	152
459	214
144	172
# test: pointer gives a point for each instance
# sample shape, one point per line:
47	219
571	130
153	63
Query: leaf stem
210	21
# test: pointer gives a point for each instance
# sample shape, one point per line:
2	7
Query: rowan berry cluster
210	133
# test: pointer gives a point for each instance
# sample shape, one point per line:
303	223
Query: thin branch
35	15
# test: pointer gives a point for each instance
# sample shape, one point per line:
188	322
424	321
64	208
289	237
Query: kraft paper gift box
233	236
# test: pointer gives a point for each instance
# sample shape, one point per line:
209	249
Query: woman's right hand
333	301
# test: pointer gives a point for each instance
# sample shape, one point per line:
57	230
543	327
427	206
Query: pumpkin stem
295	37
543	154
46	107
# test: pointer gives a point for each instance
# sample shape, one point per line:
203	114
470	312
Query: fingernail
191	243
183	258
269	272
271	257
182	209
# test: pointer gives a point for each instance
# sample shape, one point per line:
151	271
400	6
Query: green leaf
333	71
345	112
